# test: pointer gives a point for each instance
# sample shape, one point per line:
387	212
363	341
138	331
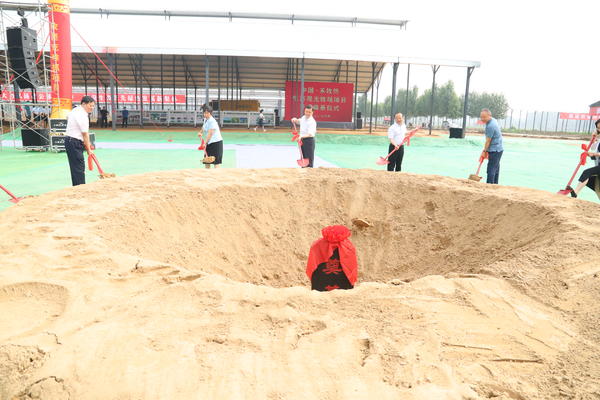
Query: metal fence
517	121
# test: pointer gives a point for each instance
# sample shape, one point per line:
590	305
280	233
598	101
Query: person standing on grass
260	122
308	130
591	176
214	140
125	119
493	146
77	138
104	118
396	134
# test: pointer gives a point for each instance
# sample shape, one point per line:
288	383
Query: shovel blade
303	162
564	192
382	161
474	177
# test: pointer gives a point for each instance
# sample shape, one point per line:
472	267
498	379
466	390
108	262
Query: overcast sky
543	55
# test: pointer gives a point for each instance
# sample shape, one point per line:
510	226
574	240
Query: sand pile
190	284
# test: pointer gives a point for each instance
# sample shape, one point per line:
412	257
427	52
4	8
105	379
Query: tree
496	102
446	103
407	108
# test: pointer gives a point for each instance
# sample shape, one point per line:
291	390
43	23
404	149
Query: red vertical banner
331	101
60	57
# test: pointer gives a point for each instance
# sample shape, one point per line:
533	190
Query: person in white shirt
260	121
214	140
396	134
308	130
77	138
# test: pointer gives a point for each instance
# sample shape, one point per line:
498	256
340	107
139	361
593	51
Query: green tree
496	102
447	103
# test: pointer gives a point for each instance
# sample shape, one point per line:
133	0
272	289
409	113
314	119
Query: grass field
536	163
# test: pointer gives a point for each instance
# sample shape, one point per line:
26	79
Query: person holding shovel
396	134
214	140
308	130
77	138
591	176
493	146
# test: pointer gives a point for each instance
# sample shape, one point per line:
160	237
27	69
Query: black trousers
74	149
104	122
125	122
308	150
395	159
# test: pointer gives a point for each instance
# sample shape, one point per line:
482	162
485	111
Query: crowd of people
78	140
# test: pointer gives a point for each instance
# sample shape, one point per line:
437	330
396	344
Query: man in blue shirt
493	146
125	120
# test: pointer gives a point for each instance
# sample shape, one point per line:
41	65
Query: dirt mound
177	283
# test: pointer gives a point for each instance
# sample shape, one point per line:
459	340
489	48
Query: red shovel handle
93	157
582	159
9	193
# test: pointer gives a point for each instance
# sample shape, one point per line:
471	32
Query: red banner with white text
579	116
331	101
123	98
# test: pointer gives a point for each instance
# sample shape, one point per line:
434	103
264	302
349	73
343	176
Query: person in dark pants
214	140
125	115
308	130
77	139
104	118
396	134
591	176
493	146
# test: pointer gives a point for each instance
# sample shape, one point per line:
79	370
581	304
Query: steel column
302	87
466	102
206	73
372	93
355	105
393	109
113	110
407	90
162	86
174	105
435	69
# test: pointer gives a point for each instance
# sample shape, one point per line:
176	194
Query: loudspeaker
456	133
22	45
359	123
35	137
358	115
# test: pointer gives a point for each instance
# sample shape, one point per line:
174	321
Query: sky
543	55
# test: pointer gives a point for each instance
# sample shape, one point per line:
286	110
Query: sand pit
190	284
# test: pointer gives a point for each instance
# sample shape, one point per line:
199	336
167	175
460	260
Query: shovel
384	160
13	199
582	161
207	159
302	162
475	177
93	160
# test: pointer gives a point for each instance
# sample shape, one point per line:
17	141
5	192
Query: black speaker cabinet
35	137
22	45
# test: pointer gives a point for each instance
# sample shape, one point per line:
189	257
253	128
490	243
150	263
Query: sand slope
191	285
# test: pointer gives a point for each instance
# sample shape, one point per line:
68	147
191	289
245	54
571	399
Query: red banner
331	101
60	57
123	98
579	116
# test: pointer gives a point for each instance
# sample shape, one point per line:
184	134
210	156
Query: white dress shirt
308	126
77	123
397	133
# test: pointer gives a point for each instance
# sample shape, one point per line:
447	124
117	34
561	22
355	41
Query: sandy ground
190	285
